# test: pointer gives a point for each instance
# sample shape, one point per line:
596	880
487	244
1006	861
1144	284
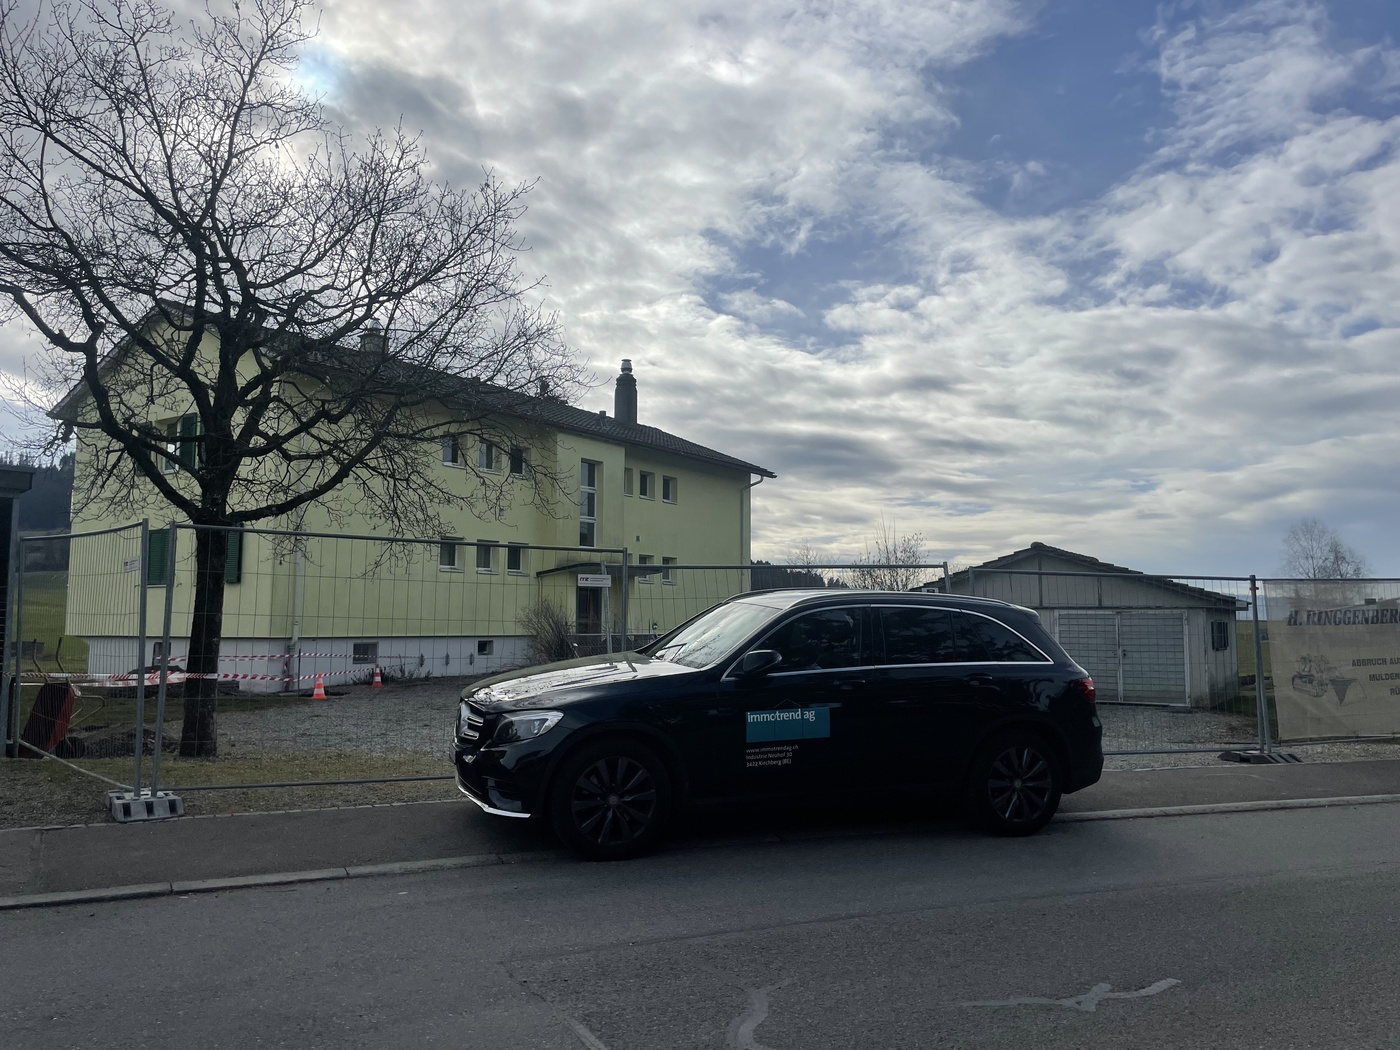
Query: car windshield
714	634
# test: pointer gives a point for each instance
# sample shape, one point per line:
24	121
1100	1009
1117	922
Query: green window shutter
189	447
233	557
157	554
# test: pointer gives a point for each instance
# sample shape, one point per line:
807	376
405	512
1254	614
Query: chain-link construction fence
339	658
1172	657
80	702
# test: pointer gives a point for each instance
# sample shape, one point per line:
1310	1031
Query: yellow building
338	599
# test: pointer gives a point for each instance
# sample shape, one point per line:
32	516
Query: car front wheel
611	799
1014	785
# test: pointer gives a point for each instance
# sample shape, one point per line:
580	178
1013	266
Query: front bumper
483	779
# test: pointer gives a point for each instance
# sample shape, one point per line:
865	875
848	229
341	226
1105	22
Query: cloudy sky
1116	275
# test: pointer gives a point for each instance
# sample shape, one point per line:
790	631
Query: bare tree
252	311
805	561
891	560
549	633
1312	550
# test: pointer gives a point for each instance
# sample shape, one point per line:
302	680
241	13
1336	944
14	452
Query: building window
183	443
588	504
452	450
157	556
646	484
645	559
447	554
1219	634
365	653
486	456
485	556
515	559
485	646
517	462
627	481
666	575
668	489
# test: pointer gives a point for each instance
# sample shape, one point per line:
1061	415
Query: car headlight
527	725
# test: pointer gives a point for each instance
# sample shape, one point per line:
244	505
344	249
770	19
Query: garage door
1136	657
1154	657
1092	639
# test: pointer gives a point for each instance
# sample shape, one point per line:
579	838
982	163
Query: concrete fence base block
127	807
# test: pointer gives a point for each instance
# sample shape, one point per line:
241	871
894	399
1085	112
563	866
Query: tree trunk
199	737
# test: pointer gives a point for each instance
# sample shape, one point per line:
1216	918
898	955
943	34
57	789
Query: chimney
373	340
625	397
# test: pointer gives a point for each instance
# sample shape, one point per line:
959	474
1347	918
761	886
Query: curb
240	882
1226	807
483	860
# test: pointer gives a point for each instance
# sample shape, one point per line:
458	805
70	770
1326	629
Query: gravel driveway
410	717
416	717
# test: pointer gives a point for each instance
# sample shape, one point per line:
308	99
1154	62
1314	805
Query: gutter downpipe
747	490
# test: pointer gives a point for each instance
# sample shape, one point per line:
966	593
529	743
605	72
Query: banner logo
788	723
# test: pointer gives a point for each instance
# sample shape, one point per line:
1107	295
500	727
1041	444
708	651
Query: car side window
918	636
818	640
986	641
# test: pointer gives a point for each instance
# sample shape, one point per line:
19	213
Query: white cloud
1162	377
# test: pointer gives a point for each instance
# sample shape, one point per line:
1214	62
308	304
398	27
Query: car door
798	726
925	693
1005	670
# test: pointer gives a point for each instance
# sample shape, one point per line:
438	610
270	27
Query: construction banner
1335	652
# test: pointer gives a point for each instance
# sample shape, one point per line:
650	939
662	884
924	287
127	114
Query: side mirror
759	662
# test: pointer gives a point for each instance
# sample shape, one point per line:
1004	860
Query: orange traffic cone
319	693
376	683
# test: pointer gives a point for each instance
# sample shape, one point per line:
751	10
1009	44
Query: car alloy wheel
1020	784
1015	785
611	799
614	801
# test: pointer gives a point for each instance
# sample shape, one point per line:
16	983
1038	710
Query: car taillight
1084	688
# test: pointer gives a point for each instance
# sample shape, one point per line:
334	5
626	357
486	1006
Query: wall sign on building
1335	648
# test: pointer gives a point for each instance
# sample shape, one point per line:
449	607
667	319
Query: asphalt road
1272	929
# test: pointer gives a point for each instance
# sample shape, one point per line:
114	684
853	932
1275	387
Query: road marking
1088	1002
742	1030
586	1037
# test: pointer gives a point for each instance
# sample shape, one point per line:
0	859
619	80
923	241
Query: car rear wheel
611	799
1014	785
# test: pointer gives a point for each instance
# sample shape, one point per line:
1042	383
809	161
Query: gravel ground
414	716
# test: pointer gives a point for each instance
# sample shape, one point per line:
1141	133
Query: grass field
44	606
45	794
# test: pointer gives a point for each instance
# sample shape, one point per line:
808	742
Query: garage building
1144	639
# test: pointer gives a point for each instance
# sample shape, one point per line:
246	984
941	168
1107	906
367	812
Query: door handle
981	680
850	683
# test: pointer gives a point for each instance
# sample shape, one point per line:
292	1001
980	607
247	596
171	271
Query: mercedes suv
788	693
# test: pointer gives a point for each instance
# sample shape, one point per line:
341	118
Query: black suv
788	693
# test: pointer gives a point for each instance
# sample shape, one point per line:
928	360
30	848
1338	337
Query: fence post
140	738
10	690
1261	698
165	660
626	621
